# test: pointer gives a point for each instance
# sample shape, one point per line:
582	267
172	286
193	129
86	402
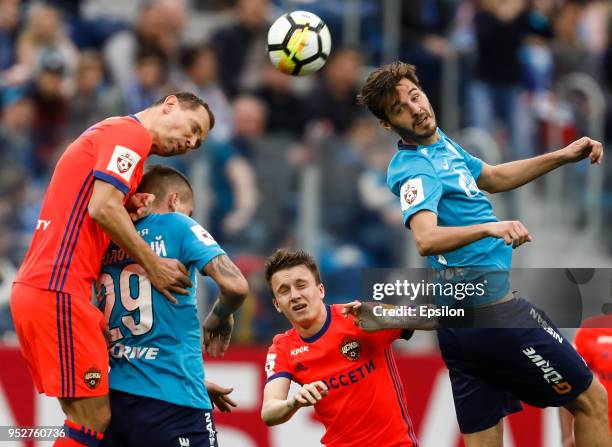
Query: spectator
18	113
495	93
340	158
43	32
158	29
250	120
570	53
87	31
235	195
201	76
17	187
90	102
51	105
241	47
147	83
424	28
10	20
275	178
287	111
536	54
332	102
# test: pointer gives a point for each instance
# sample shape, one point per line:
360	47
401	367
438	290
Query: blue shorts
138	421
493	369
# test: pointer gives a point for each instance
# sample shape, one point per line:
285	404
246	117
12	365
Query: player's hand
217	334
583	148
366	320
220	397
169	276
309	394
139	205
353	308
511	231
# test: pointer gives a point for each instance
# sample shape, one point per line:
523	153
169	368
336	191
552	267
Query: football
299	43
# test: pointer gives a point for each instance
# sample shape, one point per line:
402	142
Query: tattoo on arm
225	267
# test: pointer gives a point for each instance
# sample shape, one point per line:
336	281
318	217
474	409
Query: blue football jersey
156	345
442	178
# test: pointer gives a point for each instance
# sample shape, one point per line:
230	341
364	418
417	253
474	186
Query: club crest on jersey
350	348
92	377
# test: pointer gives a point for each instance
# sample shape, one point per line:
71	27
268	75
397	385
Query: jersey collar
406	147
323	329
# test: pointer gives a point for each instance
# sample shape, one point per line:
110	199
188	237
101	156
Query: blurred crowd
66	64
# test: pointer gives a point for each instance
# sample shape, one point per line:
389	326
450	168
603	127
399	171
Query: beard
412	134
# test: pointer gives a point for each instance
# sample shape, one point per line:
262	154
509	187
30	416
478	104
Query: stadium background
294	161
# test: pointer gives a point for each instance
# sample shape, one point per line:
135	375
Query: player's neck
147	118
311	328
144	116
424	141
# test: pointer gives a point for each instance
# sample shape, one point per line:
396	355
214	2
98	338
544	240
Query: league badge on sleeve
270	361
411	193
203	235
123	162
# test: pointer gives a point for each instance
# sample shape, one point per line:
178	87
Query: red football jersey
366	404
67	247
594	343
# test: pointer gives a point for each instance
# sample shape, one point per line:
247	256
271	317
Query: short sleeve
276	363
583	341
416	184
474	164
198	247
121	149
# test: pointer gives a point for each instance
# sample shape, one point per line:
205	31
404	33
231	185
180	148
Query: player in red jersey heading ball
88	201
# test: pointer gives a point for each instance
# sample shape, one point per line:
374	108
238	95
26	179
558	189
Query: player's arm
277	408
432	239
232	285
507	176
566	421
234	289
107	210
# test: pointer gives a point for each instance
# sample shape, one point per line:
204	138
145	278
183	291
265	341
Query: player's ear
276	304
385	124
169	103
173	201
322	290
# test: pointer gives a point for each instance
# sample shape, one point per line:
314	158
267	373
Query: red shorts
62	340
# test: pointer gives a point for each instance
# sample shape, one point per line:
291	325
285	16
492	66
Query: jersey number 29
131	300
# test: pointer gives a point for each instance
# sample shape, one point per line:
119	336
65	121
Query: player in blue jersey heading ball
452	222
157	382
